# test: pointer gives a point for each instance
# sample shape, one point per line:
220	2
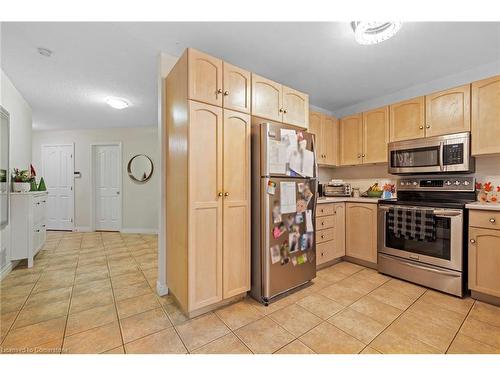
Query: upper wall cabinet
295	107
486	116
447	112
326	129
204	78
407	119
267	98
375	135
215	82
237	87
351	140
276	102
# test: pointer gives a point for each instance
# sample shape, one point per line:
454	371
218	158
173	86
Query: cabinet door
485	125
295	107
351	137
205	205
375	135
237	84
329	133
484	261
339	215
407	119
448	112
315	128
236	186
361	231
266	98
204	78
324	252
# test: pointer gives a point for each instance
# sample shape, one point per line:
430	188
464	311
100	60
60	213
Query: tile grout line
459	328
70	299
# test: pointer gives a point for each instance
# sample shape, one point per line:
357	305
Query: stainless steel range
422	235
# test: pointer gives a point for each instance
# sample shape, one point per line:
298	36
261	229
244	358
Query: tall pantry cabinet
208	181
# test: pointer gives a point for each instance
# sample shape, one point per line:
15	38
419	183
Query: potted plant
21	181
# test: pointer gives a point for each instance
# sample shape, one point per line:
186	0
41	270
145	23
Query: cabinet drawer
324	251
484	219
325	209
325	222
324	235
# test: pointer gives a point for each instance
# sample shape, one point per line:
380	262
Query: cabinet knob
322	236
322	223
281	109
420	127
363	155
322	254
472	240
427	126
492	220
220	194
226	194
219	91
226	93
359	156
285	111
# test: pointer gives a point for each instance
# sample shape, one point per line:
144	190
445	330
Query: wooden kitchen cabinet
351	140
205	78
407	119
237	86
330	232
208	207
295	107
448	111
273	101
375	135
485	127
484	261
236	203
361	231
267	98
326	129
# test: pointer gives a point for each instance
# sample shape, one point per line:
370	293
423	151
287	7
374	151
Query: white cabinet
28	228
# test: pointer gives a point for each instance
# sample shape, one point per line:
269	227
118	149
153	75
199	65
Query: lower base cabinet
330	232
484	253
361	231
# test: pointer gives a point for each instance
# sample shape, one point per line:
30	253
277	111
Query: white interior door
58	174
107	187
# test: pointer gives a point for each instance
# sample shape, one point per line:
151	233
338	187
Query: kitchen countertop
483	206
348	199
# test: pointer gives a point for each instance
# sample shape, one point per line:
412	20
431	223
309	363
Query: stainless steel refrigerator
284	184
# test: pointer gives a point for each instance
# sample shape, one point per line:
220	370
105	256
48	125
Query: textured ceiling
94	60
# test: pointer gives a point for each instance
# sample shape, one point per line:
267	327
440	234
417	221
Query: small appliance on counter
337	188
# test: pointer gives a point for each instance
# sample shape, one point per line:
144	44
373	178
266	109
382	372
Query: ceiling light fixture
117	103
44	51
373	32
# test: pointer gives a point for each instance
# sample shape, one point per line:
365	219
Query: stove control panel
450	183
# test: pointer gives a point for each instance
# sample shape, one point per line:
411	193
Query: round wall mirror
140	168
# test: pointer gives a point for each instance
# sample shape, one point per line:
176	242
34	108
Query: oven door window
440	248
418	157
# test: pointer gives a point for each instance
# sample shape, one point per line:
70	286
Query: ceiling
94	60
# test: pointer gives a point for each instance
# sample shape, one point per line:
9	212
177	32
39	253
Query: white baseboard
82	229
161	289
140	230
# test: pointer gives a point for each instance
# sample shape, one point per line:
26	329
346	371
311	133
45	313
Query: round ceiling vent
373	32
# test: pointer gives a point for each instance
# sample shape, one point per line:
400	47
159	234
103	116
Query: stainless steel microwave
442	154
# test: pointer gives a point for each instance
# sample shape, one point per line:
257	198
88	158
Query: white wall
140	201
19	150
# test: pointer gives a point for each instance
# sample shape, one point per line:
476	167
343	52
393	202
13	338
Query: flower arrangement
22	180
389	190
486	192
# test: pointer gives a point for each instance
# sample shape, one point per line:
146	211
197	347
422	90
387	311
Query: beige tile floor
95	293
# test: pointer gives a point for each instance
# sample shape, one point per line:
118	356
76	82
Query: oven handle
438	213
421	267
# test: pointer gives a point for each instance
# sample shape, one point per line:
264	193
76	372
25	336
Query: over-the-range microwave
442	154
